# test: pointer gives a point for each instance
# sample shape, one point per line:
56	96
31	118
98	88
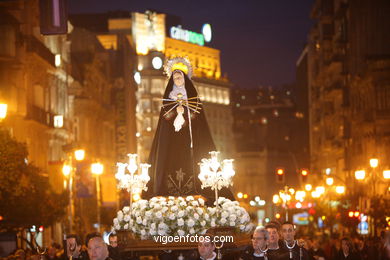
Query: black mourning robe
174	164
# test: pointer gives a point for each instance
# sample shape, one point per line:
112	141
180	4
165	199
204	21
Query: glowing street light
66	170
374	162
79	154
3	111
329	181
360	175
275	199
97	170
386	174
320	189
340	189
308	187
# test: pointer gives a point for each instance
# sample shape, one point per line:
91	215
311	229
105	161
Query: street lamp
360	175
3	111
386	174
329	181
67	171
97	170
374	162
308	187
340	189
79	154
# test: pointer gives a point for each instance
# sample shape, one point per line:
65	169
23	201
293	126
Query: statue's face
178	79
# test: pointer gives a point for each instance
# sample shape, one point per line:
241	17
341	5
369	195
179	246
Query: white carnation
232	223
196	216
225	214
116	221
189	198
126	218
126	209
190	222
203	223
174	208
180	214
139	220
180	222
158	214
181	232
172	216
212	224
192	231
223	220
200	211
126	226
120	215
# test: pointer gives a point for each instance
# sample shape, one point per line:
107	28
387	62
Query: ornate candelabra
133	183
215	174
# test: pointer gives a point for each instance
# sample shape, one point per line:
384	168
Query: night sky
260	40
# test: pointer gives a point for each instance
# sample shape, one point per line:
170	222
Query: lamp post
215	174
373	177
97	170
68	170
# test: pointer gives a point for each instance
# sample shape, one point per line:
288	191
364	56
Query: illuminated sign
179	33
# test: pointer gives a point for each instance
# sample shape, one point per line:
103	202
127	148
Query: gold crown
178	63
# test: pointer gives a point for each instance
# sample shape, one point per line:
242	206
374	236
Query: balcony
39	115
37	47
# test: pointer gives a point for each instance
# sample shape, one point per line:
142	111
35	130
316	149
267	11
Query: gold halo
178	63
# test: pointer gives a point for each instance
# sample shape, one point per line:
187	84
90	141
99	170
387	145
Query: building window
157	86
39	96
7	43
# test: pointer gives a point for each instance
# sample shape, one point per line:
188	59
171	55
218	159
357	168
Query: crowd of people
272	242
94	249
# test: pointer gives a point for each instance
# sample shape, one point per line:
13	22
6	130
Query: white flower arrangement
180	216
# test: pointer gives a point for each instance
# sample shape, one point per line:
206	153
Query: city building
156	40
267	130
348	79
34	83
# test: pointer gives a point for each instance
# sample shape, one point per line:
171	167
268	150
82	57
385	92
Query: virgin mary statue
182	138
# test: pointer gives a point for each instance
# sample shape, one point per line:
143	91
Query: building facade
155	42
348	78
34	83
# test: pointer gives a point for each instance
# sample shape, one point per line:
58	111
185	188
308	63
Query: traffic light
53	16
304	174
280	175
